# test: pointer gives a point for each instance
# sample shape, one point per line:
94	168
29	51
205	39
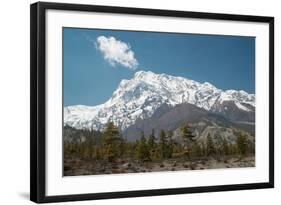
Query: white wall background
14	100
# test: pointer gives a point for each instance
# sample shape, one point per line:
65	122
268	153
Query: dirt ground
75	166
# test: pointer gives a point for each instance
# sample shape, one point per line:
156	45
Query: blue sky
95	61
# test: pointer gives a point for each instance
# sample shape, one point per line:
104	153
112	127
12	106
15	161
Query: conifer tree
162	144
111	142
142	149
187	138
197	150
242	144
151	143
170	144
164	151
225	147
210	147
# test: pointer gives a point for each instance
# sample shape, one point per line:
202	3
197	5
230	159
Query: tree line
110	145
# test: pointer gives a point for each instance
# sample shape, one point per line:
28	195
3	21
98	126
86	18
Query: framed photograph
129	102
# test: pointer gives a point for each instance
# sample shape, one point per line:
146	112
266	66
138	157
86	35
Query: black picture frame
38	104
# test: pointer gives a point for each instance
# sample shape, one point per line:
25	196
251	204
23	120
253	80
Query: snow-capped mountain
147	91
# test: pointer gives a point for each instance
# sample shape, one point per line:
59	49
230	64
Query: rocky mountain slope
202	122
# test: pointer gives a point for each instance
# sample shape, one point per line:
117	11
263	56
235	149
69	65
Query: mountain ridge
139	97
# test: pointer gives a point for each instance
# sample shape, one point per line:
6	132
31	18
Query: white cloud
116	52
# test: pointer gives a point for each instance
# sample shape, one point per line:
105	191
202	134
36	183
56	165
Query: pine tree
122	146
197	150
152	145
142	149
242	144
203	148
162	144
187	138
225	147
165	145
111	142
210	147
170	143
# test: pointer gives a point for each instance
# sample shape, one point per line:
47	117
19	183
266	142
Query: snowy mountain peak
142	73
140	96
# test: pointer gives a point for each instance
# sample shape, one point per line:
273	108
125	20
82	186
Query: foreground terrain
76	166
